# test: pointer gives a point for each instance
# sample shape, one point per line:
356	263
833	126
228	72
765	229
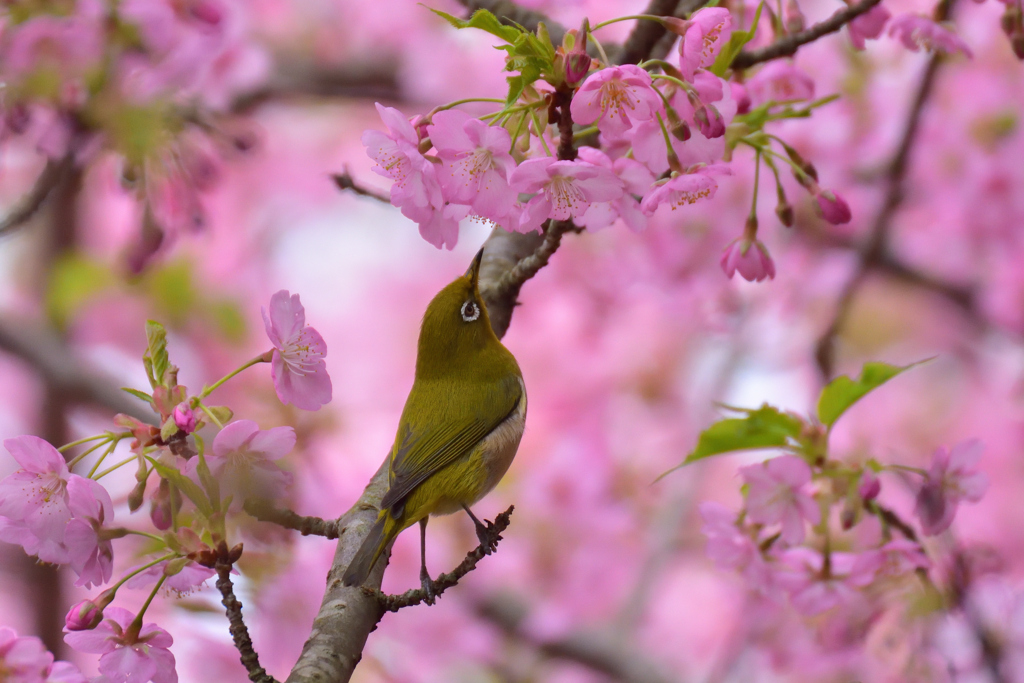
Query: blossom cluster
66	518
654	135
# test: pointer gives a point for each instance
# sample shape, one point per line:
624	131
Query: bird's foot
428	587
484	533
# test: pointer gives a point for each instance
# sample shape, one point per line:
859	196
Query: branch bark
52	174
646	34
790	44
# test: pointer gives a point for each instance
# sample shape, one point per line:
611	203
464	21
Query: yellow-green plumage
461	424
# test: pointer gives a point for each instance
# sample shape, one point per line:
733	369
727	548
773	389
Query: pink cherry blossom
635	178
780	81
811	591
952	478
476	163
35	499
23	659
185	581
564	189
184	417
66	672
832	207
918	32
750	258
729	547
62	48
243	461
678	191
90	553
708	31
896	558
777	495
868	26
83	616
127	657
298	367
416	189
617	97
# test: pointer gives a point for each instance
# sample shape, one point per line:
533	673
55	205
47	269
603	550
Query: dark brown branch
56	364
601	651
345	181
875	248
28	206
307	526
295	80
893	520
233	608
790	44
646	33
393	603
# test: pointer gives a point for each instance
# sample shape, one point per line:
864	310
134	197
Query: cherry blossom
298	367
90	552
779	81
23	659
749	258
617	97
812	591
34	500
678	191
777	495
564	189
243	461
184	417
635	178
896	558
868	26
918	32
476	163
952	478
729	547
126	656
709	29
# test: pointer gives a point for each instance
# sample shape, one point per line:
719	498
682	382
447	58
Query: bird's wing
439	440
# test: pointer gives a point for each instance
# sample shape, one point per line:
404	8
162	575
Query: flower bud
794	17
84	616
160	512
870	485
184	417
136	496
675	25
832	207
577	61
784	210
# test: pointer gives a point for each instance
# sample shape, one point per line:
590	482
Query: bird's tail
373	545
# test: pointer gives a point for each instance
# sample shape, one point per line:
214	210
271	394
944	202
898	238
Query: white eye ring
470	311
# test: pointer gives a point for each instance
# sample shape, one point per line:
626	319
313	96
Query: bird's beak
474	268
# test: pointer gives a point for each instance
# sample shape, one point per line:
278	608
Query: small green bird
460	428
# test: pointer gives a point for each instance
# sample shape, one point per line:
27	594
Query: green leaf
736	43
843	392
138	394
764	427
485	21
74	280
156	352
169	428
188	487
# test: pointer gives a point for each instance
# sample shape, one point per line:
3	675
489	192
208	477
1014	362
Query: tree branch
307	526
393	603
604	652
345	181
297	80
51	176
874	250
646	33
790	44
57	366
509	13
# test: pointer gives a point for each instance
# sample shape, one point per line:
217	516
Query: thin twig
790	44
345	181
298	80
36	197
874	250
222	561
393	603
307	526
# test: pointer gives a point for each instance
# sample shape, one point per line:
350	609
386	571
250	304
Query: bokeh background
627	342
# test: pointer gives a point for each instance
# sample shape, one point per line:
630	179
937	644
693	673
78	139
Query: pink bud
794	17
710	122
206	12
741	96
870	485
185	418
84	616
577	66
833	208
750	258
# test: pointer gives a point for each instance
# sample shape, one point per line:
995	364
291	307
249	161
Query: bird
460	428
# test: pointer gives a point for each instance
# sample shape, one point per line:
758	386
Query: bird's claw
488	542
428	588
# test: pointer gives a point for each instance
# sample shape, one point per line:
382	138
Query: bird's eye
470	311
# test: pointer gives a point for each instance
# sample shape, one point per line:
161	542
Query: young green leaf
156	352
843	392
764	427
485	21
138	394
188	487
736	43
